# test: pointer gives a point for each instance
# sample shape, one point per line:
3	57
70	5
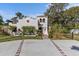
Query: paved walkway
39	48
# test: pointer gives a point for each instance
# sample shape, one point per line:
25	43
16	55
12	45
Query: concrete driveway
9	48
39	48
66	46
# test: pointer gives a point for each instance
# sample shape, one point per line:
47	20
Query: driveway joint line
19	48
58	48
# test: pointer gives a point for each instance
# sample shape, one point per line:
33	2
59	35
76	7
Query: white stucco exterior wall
44	24
23	22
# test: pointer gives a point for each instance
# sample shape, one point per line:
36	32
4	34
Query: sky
8	10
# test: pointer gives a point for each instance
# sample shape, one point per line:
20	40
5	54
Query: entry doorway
41	29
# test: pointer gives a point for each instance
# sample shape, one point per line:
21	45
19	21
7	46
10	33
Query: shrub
28	30
40	34
57	29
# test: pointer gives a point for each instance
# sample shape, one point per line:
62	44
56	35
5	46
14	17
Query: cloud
9	14
35	15
72	5
48	5
6	14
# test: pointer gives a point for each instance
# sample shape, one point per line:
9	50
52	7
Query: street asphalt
45	47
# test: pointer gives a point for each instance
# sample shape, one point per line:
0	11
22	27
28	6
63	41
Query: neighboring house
74	31
40	23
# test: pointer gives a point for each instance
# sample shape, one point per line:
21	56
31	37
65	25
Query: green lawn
4	38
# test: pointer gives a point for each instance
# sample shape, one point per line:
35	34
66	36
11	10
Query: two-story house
39	22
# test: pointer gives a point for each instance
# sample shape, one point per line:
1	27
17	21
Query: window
40	20
27	21
43	20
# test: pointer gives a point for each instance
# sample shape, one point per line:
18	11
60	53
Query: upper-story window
27	21
43	20
40	20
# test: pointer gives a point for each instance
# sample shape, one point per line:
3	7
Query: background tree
19	15
54	12
56	17
1	20
62	20
72	17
